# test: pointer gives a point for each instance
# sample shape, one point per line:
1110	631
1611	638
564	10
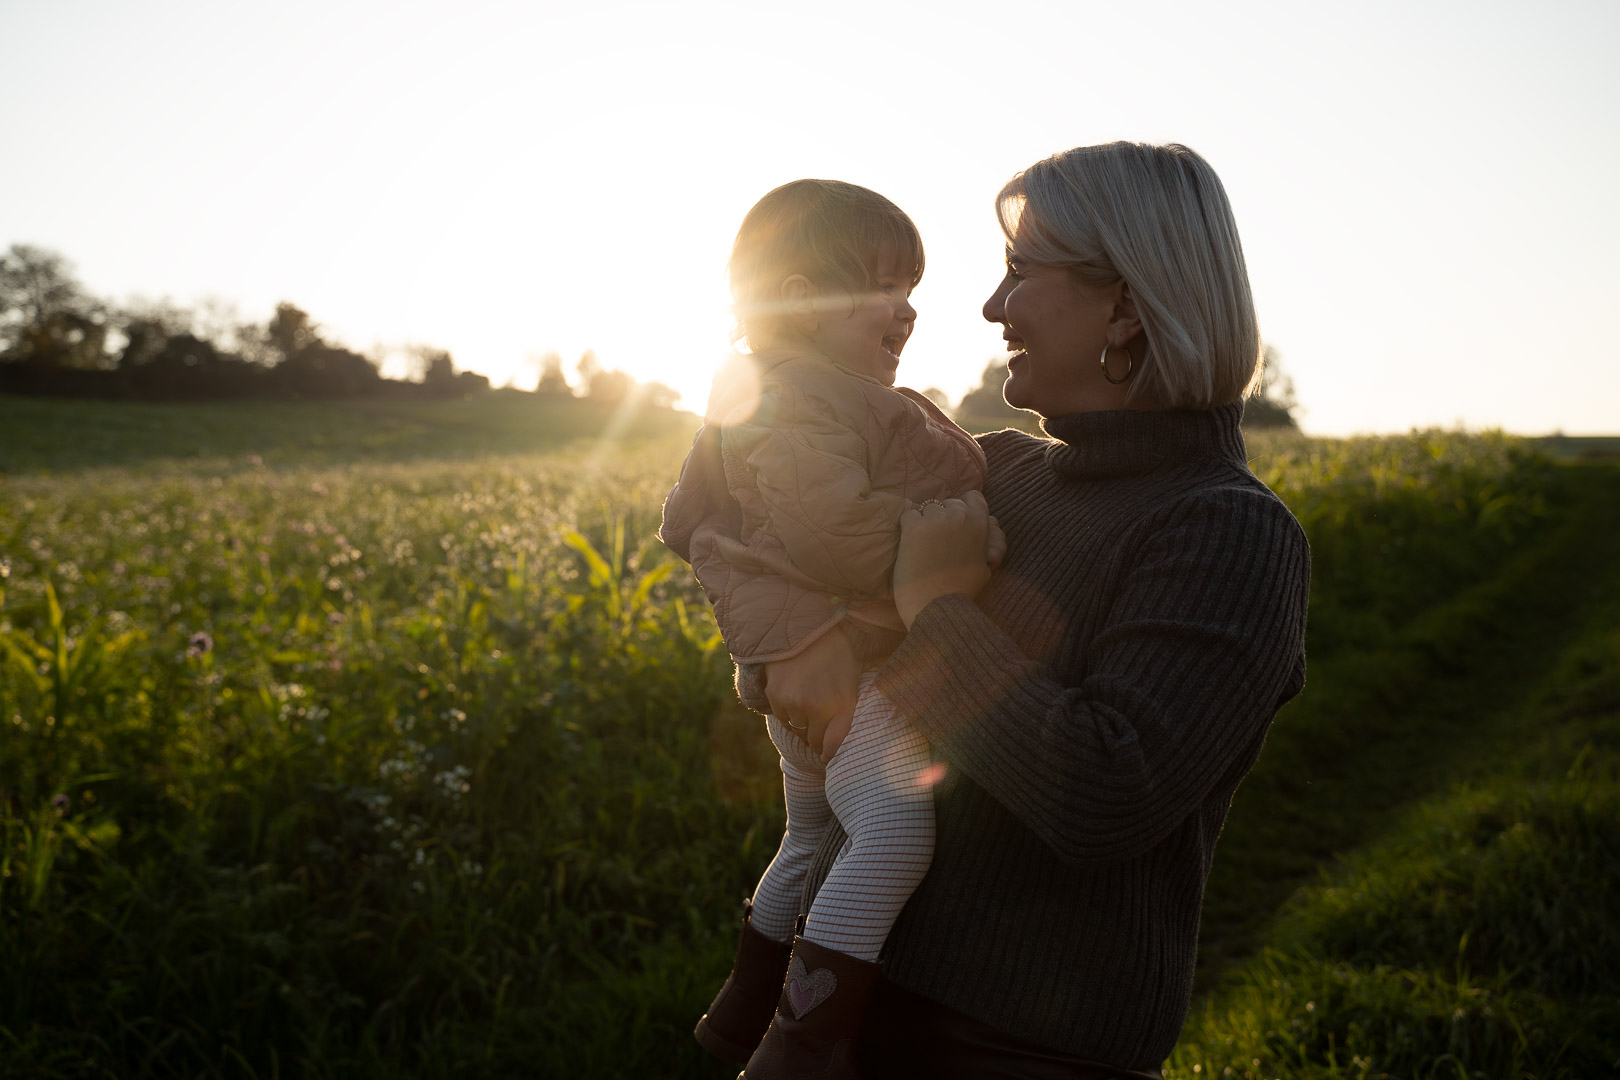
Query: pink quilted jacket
788	506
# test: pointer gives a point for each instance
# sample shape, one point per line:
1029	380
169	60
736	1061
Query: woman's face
1056	328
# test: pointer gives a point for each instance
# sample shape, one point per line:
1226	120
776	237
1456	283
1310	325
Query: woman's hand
814	692
945	547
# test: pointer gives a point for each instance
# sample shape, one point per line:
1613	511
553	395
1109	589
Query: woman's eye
1012	272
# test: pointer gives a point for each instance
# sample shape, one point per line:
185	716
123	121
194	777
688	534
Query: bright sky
1425	190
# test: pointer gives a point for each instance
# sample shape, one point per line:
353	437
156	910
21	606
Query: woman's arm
1202	644
954	552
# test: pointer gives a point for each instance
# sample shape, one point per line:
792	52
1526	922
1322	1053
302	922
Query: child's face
865	333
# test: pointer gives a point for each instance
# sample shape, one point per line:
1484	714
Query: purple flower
61	802
202	643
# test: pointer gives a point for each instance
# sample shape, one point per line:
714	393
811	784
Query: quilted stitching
820	466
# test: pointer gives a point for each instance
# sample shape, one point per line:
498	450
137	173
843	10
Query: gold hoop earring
1130	364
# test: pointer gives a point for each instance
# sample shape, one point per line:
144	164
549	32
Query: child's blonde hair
833	233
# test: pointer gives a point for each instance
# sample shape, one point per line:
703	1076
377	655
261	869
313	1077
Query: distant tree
552	382
291	331
601	385
587	367
658	395
439	373
307	366
144	327
984	402
217	320
64	339
470	382
34	283
46	317
1273	406
938	397
442	380
609	387
190	367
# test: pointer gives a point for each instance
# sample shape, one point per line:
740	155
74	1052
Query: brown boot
813	1033
741	1011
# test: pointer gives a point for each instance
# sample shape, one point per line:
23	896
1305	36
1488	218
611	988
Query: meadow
388	741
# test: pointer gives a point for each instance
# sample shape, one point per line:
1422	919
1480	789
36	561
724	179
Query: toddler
788	509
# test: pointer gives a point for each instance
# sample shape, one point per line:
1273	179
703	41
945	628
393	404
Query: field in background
50	435
428	765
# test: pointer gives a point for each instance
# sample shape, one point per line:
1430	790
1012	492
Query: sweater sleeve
810	469
1201	646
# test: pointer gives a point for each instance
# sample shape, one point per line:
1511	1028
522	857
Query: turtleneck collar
1100	445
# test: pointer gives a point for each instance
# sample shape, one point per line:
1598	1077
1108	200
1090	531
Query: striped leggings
878	786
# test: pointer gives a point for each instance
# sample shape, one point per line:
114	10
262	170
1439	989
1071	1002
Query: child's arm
698	495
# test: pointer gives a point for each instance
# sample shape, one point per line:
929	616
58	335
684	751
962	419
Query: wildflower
61	802
201	644
334	617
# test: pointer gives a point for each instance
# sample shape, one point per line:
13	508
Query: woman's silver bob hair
1156	216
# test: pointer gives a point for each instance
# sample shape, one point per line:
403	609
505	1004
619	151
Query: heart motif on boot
807	989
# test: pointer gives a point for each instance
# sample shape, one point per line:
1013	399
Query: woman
1092	704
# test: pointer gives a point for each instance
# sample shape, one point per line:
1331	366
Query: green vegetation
1450	799
49	435
411	752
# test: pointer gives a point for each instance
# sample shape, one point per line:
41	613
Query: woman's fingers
832	734
808	692
970	507
944	549
996	546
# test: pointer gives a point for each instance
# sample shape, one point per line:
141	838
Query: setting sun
507	180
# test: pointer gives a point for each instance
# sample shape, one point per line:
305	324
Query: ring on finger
929	502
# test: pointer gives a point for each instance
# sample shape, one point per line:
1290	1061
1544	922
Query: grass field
387	741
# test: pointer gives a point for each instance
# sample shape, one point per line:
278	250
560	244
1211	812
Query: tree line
58	339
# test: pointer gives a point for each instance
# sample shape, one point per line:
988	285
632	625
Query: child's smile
866	333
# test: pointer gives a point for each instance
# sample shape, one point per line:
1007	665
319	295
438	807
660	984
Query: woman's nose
995	308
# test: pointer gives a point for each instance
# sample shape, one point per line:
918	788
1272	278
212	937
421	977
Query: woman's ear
1124	323
799	303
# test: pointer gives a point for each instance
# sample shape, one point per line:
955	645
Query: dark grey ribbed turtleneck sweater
1095	709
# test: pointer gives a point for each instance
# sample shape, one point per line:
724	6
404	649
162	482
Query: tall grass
432	768
307	766
1477	939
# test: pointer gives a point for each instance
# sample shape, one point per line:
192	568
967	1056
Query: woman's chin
1013	392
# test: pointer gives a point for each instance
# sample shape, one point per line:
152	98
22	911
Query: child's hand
996	549
814	693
